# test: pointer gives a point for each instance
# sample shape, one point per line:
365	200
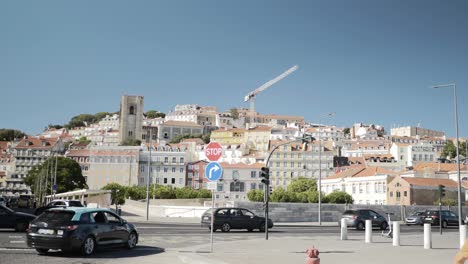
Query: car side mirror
124	221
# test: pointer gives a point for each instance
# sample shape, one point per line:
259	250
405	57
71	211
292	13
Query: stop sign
213	151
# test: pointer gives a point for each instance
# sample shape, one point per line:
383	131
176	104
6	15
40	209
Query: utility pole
148	179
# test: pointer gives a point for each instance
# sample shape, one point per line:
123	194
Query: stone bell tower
131	118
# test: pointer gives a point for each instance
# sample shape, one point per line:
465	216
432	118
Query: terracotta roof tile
435	166
37	142
430	182
241	165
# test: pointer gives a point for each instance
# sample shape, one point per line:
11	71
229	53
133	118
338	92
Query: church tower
131	118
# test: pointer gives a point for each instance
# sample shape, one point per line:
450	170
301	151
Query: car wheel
132	240
444	224
261	228
42	250
226	227
250	229
89	246
384	226
360	226
21	227
214	229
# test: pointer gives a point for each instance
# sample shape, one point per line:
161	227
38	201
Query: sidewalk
280	250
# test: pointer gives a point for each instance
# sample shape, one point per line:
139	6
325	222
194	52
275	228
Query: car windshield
432	212
56	217
417	214
75	204
350	212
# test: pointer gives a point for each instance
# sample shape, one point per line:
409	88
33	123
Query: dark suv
448	218
357	218
234	218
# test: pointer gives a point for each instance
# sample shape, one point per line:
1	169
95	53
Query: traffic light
441	190
265	174
271	189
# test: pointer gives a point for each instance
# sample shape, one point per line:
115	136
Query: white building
413	154
238	180
365	185
411	131
358	148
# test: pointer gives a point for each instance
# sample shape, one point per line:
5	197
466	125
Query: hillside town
403	166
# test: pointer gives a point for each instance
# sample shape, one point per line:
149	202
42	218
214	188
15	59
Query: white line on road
17	242
15	236
16	249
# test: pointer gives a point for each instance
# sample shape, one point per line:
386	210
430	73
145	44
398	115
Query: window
165	180
354	188
142	169
405	194
131	110
130	133
253	174
237	187
277	164
173	180
173	169
112	219
174	160
253	186
181	160
181	170
235	175
391	194
166	159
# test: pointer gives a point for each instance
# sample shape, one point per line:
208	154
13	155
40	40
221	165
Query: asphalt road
157	238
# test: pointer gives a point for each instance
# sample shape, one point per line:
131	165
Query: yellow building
255	139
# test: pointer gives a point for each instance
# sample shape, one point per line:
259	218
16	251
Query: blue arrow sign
213	171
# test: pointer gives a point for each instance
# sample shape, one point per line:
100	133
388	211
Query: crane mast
251	96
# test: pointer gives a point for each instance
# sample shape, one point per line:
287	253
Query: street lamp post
148	179
267	191
460	222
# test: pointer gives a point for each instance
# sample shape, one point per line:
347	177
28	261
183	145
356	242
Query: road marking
17	242
16	249
15	236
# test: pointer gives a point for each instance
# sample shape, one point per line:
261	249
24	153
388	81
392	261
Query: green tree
203	193
206	138
447	201
84	140
131	142
339	197
302	184
99	116
165	192
118	194
69	176
234	113
449	150
256	195
10	134
81	120
154	114
54	126
282	196
136	192
346	131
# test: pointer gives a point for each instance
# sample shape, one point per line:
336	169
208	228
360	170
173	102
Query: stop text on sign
213	151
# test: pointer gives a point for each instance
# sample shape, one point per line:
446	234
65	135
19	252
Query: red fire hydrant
312	256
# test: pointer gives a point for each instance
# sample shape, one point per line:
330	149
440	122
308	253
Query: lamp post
460	222
320	173
148	179
266	170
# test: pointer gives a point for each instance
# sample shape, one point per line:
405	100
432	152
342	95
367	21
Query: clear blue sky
368	61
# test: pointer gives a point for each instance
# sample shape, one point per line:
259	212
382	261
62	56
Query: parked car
3	201
11	219
58	203
416	218
234	218
448	218
357	219
80	229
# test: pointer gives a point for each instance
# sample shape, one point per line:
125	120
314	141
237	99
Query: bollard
396	233
344	229
368	231
462	235
312	256
427	236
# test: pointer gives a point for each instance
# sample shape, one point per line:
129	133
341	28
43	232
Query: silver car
415	218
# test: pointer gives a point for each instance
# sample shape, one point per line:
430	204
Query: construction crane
251	96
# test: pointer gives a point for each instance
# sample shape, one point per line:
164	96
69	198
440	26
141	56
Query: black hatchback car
448	218
80	229
357	218
11	219
234	218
